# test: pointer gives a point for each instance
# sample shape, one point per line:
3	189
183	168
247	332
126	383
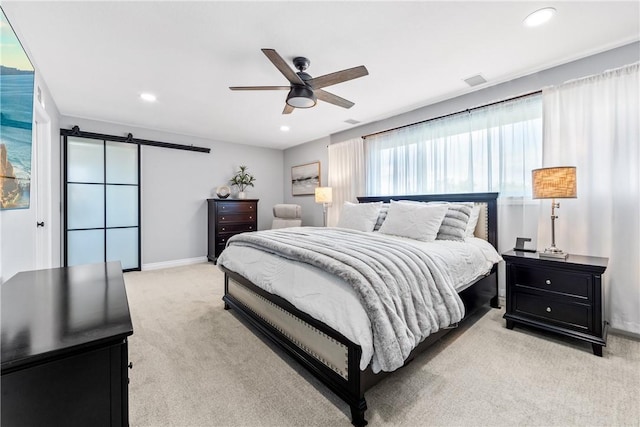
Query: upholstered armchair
286	215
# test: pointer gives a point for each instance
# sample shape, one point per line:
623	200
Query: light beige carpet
196	364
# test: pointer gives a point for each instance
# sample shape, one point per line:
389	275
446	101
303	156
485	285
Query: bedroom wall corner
17	227
308	152
177	183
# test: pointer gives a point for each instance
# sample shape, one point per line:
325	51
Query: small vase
242	195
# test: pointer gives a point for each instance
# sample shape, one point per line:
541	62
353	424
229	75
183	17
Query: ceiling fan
305	90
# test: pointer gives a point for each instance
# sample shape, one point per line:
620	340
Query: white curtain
345	175
488	149
492	148
593	124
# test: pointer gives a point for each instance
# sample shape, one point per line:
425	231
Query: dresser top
55	311
233	200
577	260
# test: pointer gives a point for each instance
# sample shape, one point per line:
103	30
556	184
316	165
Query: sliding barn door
102	202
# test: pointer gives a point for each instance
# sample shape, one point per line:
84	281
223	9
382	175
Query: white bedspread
332	301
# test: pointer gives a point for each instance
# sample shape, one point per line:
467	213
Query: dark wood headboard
491	200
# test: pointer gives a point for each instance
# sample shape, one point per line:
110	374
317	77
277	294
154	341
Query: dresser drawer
222	238
232	227
236	207
237	217
568	314
566	282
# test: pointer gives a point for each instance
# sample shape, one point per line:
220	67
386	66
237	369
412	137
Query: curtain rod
468	110
75	131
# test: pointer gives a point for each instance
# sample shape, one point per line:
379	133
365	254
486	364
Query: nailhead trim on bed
342	372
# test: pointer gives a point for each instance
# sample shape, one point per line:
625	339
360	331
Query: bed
331	351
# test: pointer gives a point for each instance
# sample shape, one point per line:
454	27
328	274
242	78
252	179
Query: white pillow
473	221
456	219
418	221
359	216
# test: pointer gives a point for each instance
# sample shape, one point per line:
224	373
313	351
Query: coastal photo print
305	179
16	118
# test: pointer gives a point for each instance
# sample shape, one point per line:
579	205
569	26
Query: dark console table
64	347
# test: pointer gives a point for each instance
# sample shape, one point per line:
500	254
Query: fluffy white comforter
333	301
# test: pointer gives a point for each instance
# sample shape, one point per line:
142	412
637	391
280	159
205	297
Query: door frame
75	132
43	200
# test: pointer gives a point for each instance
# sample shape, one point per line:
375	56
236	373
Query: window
487	149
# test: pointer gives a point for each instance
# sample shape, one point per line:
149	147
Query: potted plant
242	179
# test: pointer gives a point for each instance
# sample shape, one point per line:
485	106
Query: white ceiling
97	57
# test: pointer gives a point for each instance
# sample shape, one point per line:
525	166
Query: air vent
475	80
352	121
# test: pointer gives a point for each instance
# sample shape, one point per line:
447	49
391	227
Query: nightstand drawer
548	279
572	315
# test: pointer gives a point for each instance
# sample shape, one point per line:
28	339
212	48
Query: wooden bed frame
349	383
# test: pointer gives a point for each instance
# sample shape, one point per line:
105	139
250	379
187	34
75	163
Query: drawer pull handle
250	217
250	228
548	309
548	282
223	229
222	217
250	207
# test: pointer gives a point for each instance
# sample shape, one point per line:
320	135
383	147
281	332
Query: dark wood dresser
228	217
64	347
562	296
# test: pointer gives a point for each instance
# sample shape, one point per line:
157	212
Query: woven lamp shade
554	183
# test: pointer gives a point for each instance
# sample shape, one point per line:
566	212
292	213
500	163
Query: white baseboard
624	333
174	263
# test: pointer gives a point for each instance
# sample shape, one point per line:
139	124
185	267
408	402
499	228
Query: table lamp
554	183
324	195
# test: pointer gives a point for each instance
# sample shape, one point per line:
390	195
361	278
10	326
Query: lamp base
553	253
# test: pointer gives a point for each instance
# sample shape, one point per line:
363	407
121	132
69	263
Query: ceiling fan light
301	97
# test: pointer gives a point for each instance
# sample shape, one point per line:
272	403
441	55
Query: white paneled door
102	202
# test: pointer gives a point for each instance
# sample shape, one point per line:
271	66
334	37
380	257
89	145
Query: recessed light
149	97
539	17
284	128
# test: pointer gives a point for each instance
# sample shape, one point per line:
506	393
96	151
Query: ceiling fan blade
259	87
281	65
338	77
325	96
288	109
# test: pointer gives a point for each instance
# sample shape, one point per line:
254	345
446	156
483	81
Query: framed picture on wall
16	122
305	179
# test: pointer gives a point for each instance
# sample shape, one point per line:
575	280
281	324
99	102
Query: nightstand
557	295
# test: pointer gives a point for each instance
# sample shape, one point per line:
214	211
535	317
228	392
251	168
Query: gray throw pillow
454	224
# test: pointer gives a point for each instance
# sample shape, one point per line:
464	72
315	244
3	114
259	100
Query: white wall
314	151
533	82
176	184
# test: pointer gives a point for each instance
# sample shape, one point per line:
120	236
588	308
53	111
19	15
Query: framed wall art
305	179
16	119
